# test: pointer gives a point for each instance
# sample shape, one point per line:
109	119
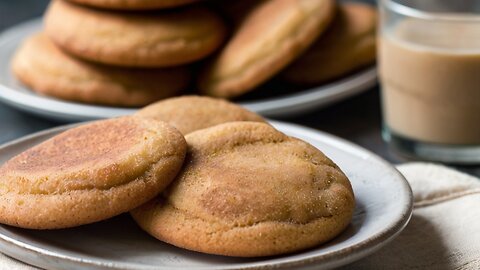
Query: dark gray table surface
357	119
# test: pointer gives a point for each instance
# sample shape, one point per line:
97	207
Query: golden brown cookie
270	36
133	4
90	173
190	113
46	69
347	46
153	39
248	190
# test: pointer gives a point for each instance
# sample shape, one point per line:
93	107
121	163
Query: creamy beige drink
430	76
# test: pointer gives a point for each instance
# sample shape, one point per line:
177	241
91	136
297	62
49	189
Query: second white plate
15	94
383	208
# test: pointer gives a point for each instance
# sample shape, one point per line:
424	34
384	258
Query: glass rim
428	15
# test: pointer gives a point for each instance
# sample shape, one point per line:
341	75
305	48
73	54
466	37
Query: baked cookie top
267	39
247	189
137	39
349	44
89	173
42	66
190	113
134	4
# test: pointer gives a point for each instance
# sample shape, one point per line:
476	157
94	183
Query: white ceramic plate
384	206
15	94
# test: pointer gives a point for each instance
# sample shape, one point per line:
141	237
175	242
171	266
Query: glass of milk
429	64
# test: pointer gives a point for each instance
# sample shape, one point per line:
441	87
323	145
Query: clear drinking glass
429	64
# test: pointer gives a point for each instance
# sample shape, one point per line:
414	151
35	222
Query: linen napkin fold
444	232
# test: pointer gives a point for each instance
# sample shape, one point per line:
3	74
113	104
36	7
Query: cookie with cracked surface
90	173
191	113
153	39
46	69
267	39
134	4
348	45
249	190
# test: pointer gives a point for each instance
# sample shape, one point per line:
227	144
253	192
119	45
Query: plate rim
291	104
331	259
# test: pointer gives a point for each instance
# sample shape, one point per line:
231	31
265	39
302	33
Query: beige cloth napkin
444	232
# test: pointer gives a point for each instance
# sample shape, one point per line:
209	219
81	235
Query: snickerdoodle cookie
90	173
247	189
133	4
267	39
151	39
348	45
46	69
190	113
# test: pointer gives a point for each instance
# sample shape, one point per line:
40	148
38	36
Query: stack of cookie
134	52
93	52
230	185
302	42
